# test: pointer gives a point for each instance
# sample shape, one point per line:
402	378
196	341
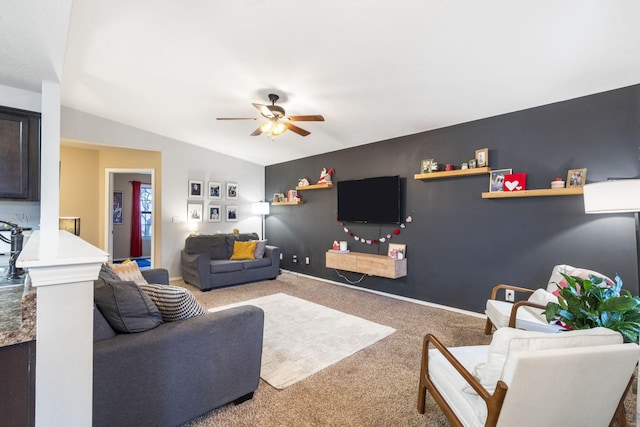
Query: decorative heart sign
511	185
515	182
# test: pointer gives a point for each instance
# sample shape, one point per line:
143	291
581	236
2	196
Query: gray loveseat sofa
206	264
178	370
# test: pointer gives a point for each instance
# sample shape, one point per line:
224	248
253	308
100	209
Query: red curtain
136	229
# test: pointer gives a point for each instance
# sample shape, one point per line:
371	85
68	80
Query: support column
62	270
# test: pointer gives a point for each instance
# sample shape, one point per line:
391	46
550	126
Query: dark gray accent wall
458	244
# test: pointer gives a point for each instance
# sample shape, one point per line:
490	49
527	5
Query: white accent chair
525	378
527	314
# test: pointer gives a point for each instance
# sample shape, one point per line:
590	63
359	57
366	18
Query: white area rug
302	338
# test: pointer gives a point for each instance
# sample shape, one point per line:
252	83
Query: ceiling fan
277	122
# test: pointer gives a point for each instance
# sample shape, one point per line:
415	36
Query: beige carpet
377	386
302	338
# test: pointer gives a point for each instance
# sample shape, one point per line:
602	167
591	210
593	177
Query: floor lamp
616	196
262	209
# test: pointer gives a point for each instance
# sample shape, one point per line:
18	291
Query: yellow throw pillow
243	250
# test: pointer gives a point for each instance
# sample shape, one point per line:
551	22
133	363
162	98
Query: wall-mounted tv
370	200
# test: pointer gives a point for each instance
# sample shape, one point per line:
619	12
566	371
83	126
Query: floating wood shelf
453	173
373	265
314	187
546	192
288	203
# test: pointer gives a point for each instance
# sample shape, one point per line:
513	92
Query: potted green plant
589	303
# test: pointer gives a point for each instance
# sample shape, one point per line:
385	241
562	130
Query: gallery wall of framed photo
206	203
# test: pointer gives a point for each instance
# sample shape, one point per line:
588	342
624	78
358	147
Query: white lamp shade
616	196
260	208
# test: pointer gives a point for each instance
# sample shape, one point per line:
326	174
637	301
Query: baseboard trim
385	294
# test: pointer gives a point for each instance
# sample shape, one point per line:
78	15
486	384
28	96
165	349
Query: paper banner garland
381	239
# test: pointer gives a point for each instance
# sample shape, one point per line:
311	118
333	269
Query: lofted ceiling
375	69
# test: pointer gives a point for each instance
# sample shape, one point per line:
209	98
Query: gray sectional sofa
206	264
178	370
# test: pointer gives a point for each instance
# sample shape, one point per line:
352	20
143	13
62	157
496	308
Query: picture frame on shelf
118	217
576	177
232	191
215	213
425	166
397	250
232	213
482	157
496	179
195	189
194	212
215	190
278	197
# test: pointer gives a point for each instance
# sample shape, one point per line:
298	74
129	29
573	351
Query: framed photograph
496	179
482	157
397	250
215	213
278	197
195	189
576	177
194	212
232	191
232	213
425	166
117	208
215	190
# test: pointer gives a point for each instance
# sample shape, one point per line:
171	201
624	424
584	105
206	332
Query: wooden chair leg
620	416
422	388
488	327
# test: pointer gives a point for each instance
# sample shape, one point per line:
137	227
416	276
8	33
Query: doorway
118	217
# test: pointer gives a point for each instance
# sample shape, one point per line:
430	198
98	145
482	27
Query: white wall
180	163
22	99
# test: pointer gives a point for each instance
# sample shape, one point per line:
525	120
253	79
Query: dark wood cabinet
18	384
20	154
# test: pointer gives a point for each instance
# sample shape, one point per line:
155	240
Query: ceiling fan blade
264	110
311	118
236	118
257	131
296	129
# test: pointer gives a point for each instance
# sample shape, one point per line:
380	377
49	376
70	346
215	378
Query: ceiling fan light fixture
273	128
279	128
277	121
267	126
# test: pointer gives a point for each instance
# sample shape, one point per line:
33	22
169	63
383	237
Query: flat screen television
371	200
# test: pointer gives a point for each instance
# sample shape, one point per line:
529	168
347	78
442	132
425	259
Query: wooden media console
373	265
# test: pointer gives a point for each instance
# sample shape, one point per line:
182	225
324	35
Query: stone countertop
17	314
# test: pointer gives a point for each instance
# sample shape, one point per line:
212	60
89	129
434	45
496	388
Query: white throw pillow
541	297
507	340
556	276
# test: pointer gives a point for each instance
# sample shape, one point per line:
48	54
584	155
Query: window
146	206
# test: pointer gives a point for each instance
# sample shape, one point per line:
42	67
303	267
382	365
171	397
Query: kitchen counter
17	314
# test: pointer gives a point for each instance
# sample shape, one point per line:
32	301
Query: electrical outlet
509	295
281	256
295	259
306	260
